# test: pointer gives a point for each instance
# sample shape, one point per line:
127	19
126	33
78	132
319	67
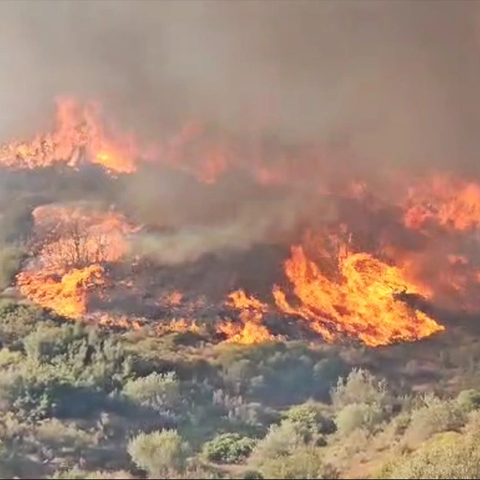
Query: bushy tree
303	463
434	416
159	453
360	386
312	418
161	392
469	400
358	415
281	440
446	456
229	448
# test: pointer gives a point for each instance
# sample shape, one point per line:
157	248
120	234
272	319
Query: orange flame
250	329
67	295
77	131
360	303
357	298
72	242
445	201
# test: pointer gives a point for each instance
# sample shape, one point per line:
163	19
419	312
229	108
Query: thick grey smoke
399	81
397	78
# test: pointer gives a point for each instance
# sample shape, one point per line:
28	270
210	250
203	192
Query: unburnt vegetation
79	402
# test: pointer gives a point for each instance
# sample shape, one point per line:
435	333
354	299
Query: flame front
71	244
65	295
78	131
354	287
250	329
360	303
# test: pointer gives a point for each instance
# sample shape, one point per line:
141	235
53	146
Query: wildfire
444	201
250	329
78	133
70	244
67	294
337	285
360	302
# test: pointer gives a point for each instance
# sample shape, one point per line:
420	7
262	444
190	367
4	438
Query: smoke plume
396	81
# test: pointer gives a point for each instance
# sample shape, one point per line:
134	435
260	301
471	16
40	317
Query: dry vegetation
81	402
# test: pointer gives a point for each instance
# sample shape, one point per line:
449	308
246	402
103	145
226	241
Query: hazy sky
399	79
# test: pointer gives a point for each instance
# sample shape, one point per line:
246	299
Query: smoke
397	81
266	219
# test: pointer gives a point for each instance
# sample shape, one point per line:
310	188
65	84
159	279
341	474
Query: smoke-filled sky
398	79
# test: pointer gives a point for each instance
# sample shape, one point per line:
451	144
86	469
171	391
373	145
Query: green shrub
280	440
17	321
312	418
229	448
161	392
10	261
303	463
435	416
469	400
360	387
358	415
159	453
446	456
78	474
252	475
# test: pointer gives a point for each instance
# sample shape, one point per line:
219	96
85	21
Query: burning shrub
159	453
229	448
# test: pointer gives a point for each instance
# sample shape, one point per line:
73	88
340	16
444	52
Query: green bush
435	416
17	321
252	475
159	453
448	456
10	261
469	400
78	474
360	387
312	418
281	440
358	415
229	448
161	392
303	463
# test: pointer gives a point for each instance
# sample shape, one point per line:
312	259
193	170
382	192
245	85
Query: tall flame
250	329
336	290
66	295
78	131
360	303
